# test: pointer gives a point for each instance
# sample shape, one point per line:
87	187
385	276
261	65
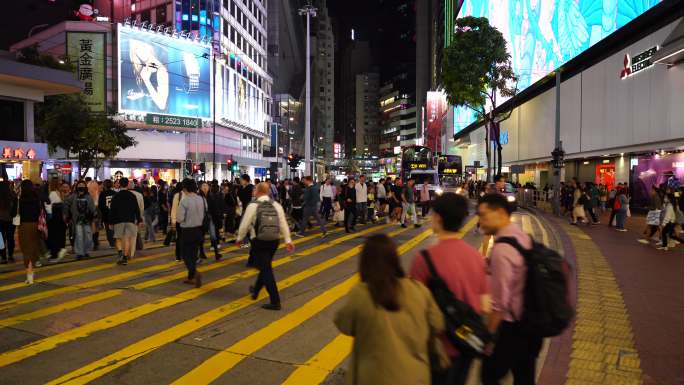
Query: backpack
546	308
464	327
267	224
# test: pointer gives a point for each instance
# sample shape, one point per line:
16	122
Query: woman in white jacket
668	222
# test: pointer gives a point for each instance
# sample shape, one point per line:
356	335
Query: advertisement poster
86	52
605	174
436	108
543	35
163	75
654	171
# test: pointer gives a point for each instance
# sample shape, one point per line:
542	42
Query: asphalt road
95	322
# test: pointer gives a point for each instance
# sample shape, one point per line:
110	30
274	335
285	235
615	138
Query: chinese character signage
86	52
172	121
164	75
20	151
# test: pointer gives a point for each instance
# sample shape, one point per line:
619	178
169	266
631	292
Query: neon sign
18	153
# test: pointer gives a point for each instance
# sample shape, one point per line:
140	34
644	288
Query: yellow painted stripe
215	366
132	352
122	317
22	272
316	369
44	312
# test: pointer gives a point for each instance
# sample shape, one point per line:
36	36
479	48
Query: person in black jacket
349	202
245	194
124	216
103	204
215	211
229	207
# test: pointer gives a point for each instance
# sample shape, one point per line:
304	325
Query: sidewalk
630	321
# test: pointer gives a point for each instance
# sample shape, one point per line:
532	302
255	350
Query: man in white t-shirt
361	199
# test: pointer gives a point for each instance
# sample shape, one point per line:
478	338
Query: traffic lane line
212	368
125	316
72	304
100	367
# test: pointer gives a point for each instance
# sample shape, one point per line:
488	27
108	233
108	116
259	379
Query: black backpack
464	327
546	309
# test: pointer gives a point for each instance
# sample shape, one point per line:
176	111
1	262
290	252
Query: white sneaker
29	278
61	254
661	248
644	241
38	264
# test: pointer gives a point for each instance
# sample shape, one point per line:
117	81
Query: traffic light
195	168
236	167
293	160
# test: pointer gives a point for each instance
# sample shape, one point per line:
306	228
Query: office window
226	28
232	34
232	9
226	4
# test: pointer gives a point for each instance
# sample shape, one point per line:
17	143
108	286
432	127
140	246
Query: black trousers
191	240
7	229
297	216
263	252
326	208
514	351
457	374
349	216
56	233
179	243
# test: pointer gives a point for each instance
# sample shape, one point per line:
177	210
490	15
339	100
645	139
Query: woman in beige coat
393	319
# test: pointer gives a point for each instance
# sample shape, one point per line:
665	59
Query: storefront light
586	162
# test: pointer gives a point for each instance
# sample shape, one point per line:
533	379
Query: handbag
170	237
42	224
653	218
16	221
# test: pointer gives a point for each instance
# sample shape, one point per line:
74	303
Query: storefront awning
672	50
22	151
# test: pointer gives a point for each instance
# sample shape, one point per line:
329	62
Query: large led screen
163	75
542	35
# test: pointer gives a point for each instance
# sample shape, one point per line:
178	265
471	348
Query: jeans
83	238
457	374
263	252
310	211
110	235
620	218
361	211
7	229
191	239
326	207
514	351
150	223
406	207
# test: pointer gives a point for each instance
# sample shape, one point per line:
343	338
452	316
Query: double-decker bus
450	170
415	158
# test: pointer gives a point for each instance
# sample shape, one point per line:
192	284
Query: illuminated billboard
160	74
239	100
542	35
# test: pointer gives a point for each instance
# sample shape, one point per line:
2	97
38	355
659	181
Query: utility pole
213	141
310	11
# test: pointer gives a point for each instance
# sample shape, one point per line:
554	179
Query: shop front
22	160
150	171
660	170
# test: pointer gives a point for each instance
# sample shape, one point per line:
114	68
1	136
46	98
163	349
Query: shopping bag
42	224
653	218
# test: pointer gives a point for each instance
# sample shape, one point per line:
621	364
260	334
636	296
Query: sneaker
661	248
125	261
61	255
417	225
253	294
218	257
622	230
122	260
325	234
403	225
300	235
644	241
29	279
38	264
245	246
80	257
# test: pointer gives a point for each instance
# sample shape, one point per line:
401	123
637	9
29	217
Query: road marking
215	366
122	317
100	367
319	366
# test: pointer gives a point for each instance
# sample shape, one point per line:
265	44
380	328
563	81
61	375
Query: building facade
323	84
367	128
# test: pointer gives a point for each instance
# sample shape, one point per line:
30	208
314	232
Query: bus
415	158
450	170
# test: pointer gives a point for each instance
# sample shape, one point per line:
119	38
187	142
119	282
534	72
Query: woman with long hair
54	208
393	319
28	208
7	202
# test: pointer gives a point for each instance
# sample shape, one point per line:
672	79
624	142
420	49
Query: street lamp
310	11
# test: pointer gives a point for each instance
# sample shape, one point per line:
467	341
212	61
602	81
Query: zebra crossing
94	322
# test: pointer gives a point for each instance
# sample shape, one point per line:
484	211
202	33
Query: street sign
172	121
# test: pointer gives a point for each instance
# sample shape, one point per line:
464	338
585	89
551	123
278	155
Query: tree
475	68
65	121
32	55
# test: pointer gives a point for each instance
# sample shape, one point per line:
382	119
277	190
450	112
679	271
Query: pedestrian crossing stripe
51	342
319	366
215	366
98	368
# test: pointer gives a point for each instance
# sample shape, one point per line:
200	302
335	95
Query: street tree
476	67
65	121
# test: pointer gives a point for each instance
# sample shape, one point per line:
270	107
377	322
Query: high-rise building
323	83
398	115
356	59
367	134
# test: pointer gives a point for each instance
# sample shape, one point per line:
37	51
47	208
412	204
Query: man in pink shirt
513	350
460	266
